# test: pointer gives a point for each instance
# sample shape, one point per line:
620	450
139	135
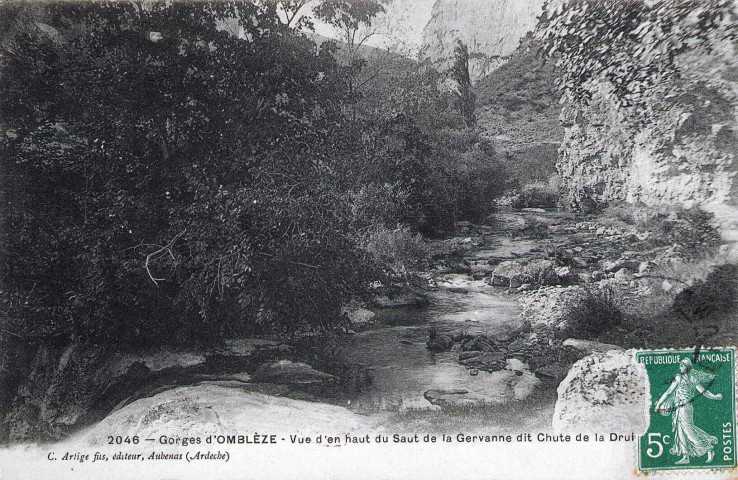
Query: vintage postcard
368	239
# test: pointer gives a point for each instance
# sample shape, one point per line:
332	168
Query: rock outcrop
65	388
216	410
291	373
603	392
674	143
490	28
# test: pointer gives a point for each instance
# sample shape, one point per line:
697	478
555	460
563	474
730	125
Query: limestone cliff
490	28
677	145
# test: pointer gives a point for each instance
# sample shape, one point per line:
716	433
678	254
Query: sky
401	28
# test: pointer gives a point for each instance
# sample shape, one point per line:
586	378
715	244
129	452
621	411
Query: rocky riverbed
482	338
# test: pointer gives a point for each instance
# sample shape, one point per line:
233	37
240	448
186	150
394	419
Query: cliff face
686	153
490	28
676	146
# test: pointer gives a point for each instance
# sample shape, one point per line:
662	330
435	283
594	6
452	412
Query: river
402	369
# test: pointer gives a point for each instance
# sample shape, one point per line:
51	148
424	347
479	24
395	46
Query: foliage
398	249
179	172
380	204
633	44
537	196
717	293
593	313
175	184
348	16
465	100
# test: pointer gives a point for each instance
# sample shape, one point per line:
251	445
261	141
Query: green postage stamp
692	410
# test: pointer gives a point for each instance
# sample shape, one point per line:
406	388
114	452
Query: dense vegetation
179	172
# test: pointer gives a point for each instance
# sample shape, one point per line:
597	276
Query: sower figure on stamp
678	400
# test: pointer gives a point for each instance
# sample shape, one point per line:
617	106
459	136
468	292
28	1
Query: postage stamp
691	411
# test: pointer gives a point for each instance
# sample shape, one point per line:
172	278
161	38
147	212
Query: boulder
612	266
291	373
359	317
457	335
603	392
439	343
470	354
453	398
647	267
209	409
622	275
489	361
578	262
517	346
565	275
480	342
516	281
551	373
541	272
526	327
453	265
479	274
504	272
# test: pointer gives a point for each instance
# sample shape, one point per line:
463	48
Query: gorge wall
676	146
490	28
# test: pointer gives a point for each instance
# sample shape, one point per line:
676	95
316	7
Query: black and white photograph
368	239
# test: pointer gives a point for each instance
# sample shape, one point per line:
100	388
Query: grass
597	311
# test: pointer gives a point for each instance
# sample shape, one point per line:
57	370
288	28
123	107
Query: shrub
537	195
166	204
380	204
715	294
593	313
398	250
692	231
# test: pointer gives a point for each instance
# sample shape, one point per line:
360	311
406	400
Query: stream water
402	368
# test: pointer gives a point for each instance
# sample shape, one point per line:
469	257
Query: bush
398	250
380	204
718	293
165	204
537	195
692	232
593	313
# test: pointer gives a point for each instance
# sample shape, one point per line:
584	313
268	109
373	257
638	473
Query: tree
466	100
293	18
353	19
170	178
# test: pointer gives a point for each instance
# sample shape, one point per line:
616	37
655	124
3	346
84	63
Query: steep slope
518	108
490	28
